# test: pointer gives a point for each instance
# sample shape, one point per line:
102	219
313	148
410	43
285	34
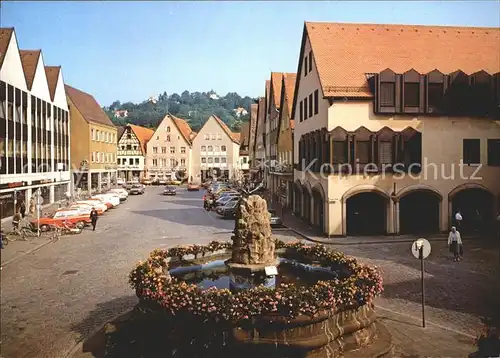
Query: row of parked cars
77	213
226	202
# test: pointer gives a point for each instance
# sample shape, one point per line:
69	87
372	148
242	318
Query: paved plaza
55	296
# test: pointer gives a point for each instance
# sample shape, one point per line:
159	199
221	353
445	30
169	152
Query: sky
130	50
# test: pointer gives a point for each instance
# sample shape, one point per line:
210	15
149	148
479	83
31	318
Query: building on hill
385	118
34	128
120	113
169	151
131	151
215	151
93	148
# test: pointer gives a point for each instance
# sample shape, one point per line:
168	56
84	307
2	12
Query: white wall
12	69
40	87
60	94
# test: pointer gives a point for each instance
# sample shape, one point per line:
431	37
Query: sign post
39	202
421	249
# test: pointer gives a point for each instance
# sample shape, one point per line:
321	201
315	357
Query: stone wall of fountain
253	244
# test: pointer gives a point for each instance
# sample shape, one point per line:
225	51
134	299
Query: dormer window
411	91
363	146
458	97
386	96
482	95
435	82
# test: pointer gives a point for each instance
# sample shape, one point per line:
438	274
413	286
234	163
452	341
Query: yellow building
396	128
94	144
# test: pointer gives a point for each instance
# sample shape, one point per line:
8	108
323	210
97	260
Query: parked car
228	210
146	181
162	182
174	182
226	199
193	187
107	203
98	205
120	181
136	189
122	193
113	199
275	219
60	217
85	208
170	190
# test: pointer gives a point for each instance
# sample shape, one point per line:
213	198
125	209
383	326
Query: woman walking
455	243
93	218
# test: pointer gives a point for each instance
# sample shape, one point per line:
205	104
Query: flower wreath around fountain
356	285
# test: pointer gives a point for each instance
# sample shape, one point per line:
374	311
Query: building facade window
164	150
168	129
223	160
301	115
172	150
305	108
155	150
173	163
210	148
210	159
388	94
472	151
203	148
316	102
216	160
306	67
183	161
435	95
203	160
385	154
411	94
494	152
183	150
155	162
311	105
223	148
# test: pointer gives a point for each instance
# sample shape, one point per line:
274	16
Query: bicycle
55	233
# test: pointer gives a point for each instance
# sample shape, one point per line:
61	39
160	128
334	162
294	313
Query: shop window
471	151
494	152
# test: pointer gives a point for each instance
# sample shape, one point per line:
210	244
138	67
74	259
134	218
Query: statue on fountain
253	244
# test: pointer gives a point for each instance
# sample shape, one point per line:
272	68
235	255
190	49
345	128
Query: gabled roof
5	36
121	130
184	128
29	60
275	87
344	53
245	134
266	97
88	106
143	135
52	73
287	94
235	137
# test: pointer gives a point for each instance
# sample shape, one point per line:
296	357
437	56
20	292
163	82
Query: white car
94	203
120	181
83	209
122	193
108	198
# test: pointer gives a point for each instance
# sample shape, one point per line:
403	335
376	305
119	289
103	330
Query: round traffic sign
421	243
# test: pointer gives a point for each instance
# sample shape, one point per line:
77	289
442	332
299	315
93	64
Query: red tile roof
5	35
344	52
29	60
143	135
245	134
184	128
88	106
235	137
276	82
52	73
289	83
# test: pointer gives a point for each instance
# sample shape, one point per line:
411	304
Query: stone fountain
252	260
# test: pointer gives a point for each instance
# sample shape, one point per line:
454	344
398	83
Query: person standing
93	218
22	209
458	218
455	243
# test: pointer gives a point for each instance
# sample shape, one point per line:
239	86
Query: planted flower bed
334	315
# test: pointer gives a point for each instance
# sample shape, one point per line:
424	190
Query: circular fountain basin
348	333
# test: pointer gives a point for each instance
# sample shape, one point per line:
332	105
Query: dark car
228	210
170	190
226	199
136	189
275	219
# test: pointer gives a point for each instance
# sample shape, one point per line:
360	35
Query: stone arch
466	186
419	210
418	187
306	199
364	188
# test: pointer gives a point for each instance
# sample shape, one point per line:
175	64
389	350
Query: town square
348	206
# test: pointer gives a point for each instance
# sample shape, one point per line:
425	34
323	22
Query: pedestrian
16	219
93	218
455	244
458	218
22	209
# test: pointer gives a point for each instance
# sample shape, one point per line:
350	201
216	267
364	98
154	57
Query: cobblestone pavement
54	297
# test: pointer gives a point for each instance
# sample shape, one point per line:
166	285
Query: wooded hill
194	107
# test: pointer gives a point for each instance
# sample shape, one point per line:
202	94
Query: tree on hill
194	107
